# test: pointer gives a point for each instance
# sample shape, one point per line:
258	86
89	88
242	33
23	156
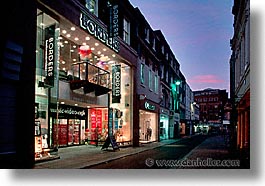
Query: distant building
211	102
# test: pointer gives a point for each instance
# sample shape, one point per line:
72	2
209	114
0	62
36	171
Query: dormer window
147	35
163	49
154	44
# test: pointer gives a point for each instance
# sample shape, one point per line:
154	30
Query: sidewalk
78	157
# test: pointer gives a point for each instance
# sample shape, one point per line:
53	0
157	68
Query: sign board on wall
49	54
100	33
116	83
67	111
113	20
110	123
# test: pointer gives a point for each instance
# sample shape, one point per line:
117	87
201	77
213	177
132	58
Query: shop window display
148	126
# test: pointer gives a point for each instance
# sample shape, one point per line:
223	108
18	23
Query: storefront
79	69
70	128
165	129
148	117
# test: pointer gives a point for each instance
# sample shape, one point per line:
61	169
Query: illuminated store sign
110	123
100	33
67	111
49	54
114	21
149	106
116	83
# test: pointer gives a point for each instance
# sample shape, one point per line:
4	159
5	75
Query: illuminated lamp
85	52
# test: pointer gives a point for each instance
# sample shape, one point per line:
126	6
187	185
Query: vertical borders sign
113	28
116	83
110	123
49	54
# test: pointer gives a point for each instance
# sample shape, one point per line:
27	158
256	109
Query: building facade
211	103
80	71
90	96
17	71
169	90
240	74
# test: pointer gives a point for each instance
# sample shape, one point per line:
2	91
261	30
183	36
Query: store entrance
148	126
164	126
68	132
97	129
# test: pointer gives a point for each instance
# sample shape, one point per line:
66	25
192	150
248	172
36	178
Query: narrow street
174	151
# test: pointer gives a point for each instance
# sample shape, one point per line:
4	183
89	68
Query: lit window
126	31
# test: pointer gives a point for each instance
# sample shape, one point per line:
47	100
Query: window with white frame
126	31
92	6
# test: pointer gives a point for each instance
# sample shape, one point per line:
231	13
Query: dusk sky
198	33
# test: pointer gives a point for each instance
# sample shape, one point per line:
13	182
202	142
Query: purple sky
199	33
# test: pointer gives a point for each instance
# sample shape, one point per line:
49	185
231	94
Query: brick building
211	102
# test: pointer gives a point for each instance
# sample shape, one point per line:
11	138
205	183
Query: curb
124	155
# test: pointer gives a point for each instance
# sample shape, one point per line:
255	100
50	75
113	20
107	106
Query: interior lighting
96	44
73	28
87	38
76	39
64	31
68	35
